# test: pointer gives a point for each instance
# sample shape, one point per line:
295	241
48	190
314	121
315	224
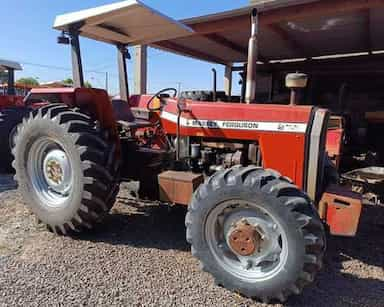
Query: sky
28	37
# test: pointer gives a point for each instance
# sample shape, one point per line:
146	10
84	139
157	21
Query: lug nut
249	265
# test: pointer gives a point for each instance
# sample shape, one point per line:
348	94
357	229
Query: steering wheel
157	95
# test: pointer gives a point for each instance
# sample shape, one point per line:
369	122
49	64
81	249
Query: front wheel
256	233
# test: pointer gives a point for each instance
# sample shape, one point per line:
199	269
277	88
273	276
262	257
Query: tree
88	84
29	81
69	82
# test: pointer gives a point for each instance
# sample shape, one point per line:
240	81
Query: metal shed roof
289	29
6	64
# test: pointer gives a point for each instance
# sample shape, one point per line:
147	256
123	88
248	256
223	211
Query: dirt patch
139	257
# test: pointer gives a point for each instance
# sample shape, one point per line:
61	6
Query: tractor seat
126	118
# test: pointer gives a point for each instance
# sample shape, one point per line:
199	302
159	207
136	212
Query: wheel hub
54	171
244	239
57	171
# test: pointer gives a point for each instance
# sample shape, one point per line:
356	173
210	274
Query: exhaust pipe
250	93
214	90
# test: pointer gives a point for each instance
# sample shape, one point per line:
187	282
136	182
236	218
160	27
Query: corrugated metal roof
261	5
288	29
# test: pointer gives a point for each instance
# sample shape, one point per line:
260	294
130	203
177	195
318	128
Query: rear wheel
65	168
256	233
9	119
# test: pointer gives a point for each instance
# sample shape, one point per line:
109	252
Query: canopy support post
11	82
122	54
77	66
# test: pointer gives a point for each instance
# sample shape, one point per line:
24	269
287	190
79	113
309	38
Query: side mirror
63	39
127	54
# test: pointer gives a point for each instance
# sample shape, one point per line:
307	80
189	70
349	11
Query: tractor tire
9	119
282	239
65	168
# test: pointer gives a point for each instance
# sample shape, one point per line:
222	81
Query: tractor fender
93	102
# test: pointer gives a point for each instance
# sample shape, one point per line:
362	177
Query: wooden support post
140	79
228	80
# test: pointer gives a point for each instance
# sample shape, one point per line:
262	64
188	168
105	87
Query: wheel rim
11	137
246	240
50	172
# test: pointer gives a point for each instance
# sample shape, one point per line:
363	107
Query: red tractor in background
12	110
254	177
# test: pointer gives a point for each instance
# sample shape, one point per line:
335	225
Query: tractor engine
151	153
208	157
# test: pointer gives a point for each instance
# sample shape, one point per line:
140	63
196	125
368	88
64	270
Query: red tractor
253	176
12	110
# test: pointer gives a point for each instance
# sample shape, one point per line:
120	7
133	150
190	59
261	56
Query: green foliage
30	81
69	82
87	84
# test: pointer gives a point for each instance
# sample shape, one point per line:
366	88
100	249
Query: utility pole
178	88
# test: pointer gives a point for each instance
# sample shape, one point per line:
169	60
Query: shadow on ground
342	281
7	183
141	224
154	226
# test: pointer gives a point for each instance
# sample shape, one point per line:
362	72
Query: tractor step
177	187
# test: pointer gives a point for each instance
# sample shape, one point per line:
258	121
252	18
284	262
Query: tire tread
94	150
297	202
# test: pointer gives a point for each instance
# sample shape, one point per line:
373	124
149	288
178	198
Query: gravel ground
139	257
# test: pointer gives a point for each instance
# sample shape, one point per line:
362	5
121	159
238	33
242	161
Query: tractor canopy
6	65
125	23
